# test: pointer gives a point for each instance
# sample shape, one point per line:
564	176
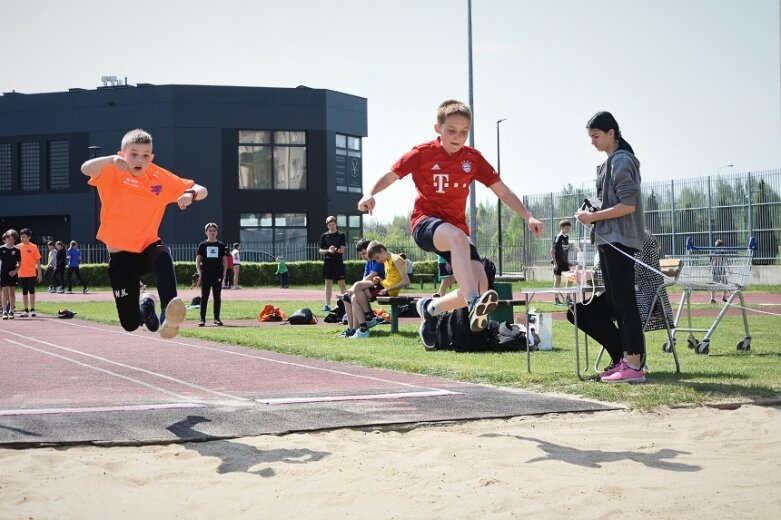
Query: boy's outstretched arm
93	167
367	201
197	192
507	196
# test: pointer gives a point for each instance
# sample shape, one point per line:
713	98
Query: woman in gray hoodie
619	232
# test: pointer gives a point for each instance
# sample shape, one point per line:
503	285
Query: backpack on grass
302	317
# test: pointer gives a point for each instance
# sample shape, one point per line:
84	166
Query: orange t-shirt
133	207
31	257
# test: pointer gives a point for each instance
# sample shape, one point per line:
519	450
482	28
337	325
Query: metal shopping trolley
717	268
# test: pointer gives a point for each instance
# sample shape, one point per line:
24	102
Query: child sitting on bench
360	317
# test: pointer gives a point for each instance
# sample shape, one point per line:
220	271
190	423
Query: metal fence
732	208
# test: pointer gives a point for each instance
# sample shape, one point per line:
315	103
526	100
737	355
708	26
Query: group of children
20	265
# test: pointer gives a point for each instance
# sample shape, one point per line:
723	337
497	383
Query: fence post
672	216
749	220
710	214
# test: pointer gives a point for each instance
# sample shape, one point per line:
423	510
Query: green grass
725	374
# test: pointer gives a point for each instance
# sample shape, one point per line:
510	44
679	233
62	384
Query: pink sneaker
625	374
612	369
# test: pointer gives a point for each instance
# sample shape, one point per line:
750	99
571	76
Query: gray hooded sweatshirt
619	181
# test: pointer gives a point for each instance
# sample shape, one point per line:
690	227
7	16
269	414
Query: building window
350	225
272	160
30	166
5	167
59	165
349	167
266	235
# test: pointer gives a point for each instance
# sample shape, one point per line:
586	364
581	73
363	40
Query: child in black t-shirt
211	264
560	260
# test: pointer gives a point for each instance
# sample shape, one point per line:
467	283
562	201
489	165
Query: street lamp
718	170
93	152
499	202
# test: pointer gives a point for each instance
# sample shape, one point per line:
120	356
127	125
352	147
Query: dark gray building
276	161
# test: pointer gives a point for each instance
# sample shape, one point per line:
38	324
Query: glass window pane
341	221
254	137
288	137
354	143
30	171
355	221
290	219
341	141
5	167
255	167
290	168
254	239
286	237
59	165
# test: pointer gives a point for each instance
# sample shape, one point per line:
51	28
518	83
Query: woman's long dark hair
605	121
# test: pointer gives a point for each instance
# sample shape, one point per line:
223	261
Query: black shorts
333	270
423	235
6	280
443	272
28	284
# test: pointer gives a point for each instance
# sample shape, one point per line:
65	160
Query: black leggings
69	277
618	271
211	281
125	270
596	320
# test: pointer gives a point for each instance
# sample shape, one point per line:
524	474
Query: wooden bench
397	301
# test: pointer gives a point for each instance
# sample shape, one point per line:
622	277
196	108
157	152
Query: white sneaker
175	313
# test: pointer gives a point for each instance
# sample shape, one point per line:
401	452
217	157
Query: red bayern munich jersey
443	181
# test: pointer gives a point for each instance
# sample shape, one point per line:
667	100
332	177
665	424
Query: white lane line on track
127	408
318	399
262	358
123	365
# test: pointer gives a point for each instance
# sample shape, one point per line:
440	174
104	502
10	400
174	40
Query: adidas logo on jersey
435	168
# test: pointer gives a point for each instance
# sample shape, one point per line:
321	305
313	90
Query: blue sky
695	84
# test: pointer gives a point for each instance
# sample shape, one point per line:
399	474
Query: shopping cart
718	268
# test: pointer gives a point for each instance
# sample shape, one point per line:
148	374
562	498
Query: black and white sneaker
480	308
428	324
148	315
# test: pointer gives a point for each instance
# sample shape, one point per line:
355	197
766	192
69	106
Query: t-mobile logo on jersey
441	182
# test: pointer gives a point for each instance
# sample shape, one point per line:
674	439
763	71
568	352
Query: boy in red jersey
134	193
442	171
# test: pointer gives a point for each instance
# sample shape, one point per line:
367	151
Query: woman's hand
585	217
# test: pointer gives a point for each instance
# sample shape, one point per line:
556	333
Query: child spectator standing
211	265
236	256
443	170
10	260
229	270
59	270
282	273
29	271
332	245
560	260
134	193
74	261
51	265
445	274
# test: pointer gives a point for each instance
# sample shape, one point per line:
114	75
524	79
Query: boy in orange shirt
134	193
29	271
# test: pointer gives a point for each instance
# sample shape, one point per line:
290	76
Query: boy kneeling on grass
360	317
